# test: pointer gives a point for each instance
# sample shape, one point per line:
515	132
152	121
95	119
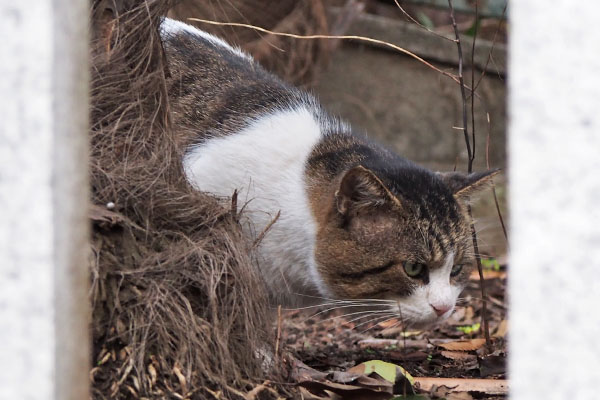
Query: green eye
413	269
456	269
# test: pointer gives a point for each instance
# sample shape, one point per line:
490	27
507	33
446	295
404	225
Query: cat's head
403	238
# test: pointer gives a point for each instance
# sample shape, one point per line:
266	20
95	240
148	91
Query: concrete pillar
554	154
44	313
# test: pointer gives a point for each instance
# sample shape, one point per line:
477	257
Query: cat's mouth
422	319
429	322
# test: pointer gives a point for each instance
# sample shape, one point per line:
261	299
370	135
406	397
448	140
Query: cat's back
217	89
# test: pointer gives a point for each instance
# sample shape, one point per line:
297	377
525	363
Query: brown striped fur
371	220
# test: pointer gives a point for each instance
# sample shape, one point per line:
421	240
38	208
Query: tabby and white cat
356	221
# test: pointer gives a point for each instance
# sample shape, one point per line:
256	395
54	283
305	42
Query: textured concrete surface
555	186
43	235
400	101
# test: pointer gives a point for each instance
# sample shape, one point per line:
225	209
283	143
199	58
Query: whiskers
361	314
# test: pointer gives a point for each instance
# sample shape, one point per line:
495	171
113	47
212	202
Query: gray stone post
44	313
554	149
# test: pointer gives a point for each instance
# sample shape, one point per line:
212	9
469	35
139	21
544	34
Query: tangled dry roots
177	309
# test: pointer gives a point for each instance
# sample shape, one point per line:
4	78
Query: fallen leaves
376	379
369	380
463	345
458	355
384	369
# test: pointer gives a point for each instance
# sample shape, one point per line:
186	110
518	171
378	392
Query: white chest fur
265	163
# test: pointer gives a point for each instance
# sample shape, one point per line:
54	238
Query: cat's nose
441	309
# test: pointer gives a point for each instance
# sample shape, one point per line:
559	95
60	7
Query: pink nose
441	309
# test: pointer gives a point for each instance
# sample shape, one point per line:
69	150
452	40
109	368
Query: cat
353	220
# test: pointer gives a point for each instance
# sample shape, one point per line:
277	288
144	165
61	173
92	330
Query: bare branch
335	37
471	157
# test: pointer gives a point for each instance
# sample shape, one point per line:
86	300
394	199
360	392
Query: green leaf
468	329
384	369
490	263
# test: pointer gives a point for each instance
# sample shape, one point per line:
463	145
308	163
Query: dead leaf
492	365
348	392
444	392
306	395
388	323
458	355
463	345
403	382
302	372
489	386
487	274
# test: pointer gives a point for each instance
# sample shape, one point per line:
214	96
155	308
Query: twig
487	62
486	327
487	163
410	17
473	80
471	157
278	332
234	201
254	393
392	344
335	37
264	231
461	82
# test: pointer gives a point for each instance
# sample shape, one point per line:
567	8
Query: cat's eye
413	269
456	269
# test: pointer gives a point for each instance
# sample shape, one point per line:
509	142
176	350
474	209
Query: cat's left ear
359	189
464	186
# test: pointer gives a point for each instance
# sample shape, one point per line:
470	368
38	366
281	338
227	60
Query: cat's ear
360	188
464	186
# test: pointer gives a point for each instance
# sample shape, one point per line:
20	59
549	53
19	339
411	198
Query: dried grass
296	61
176	310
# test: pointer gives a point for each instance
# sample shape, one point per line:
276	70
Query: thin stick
486	327
335	37
264	232
461	82
473	81
487	162
471	157
410	17
278	332
234	201
487	62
